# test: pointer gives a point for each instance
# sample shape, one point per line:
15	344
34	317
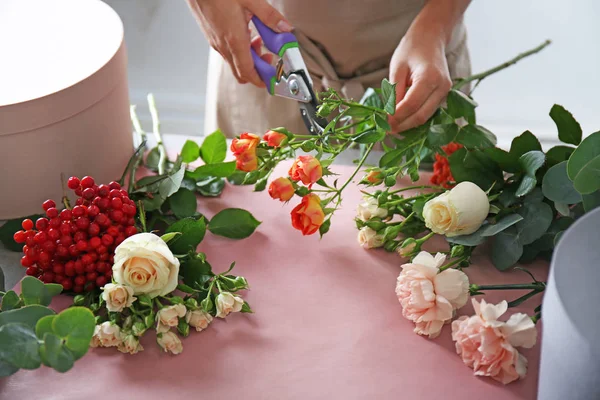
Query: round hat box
64	104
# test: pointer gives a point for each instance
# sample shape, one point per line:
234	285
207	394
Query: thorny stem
162	151
358	167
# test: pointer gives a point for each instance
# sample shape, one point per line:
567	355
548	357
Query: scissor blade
315	124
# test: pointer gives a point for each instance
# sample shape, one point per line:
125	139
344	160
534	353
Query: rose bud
308	216
274	139
246	142
306	169
374	177
460	211
282	189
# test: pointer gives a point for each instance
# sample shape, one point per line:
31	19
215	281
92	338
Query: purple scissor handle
277	43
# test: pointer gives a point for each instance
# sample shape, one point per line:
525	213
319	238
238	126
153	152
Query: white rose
106	334
460	211
198	319
117	297
368	208
169	316
369	239
130	344
407	248
170	342
228	303
145	263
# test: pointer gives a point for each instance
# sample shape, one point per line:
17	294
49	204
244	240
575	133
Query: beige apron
347	45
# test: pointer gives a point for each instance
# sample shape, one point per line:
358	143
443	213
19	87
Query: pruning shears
290	77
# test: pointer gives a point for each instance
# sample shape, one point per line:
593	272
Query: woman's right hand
225	25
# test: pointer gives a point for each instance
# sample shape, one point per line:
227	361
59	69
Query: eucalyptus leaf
474	239
35	291
214	148
530	162
7	369
55	354
10	301
19	346
502	224
506	249
562	208
580	160
536	220
75	326
591	201
557	186
28	315
44	325
569	130
233	223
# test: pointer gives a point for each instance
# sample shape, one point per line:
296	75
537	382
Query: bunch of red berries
75	247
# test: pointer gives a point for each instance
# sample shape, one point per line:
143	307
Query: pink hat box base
81	125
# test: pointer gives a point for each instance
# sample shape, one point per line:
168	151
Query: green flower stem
450	264
425	238
162	151
142	215
375	110
512	286
521	299
417	187
479	77
358	167
158	304
352	125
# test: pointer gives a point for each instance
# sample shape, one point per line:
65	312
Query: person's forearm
438	18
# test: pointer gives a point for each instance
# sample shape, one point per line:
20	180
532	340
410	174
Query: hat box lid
58	58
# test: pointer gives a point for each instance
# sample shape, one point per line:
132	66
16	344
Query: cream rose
228	303
488	345
198	319
460	211
117	297
429	297
169	342
169	316
130	344
368	208
145	263
106	334
369	239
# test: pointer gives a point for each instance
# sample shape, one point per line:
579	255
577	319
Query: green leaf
382	123
392	158
44	325
19	346
502	224
524	143
185	288
536	196
506	249
324	228
10	301
35	291
536	220
233	223
190	151
474	239
192	232
558	154
28	315
358	112
221	170
207	304
211	188
591	201
8	230
55	354
369	136
75	326
167	237
152	159
569	130
171	183
530	162
507	161
214	148
442	134
388	92
546	242
587	179
261	185
586	153
372	99
196	271
475	137
557	186
183	203
475	167
246	308
460	105
7	369
237	178
562	208
507	198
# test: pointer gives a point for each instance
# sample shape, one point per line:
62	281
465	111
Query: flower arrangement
127	251
520	200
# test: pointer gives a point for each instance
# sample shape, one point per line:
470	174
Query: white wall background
168	56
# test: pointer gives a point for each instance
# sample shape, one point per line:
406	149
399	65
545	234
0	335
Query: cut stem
162	151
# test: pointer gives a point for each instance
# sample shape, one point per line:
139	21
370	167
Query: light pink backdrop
327	326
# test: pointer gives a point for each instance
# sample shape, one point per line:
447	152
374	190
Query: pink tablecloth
327	325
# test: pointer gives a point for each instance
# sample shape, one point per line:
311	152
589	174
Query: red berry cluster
75	247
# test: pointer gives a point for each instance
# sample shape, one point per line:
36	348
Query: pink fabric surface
327	325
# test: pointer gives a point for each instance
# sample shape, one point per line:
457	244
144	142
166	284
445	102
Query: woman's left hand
420	71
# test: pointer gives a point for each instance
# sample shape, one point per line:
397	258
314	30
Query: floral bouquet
519	200
127	250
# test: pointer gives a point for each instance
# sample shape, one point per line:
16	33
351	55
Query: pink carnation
428	296
488	345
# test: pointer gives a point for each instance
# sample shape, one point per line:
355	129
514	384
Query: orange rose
306	169
282	189
274	139
246	142
374	177
246	161
308	216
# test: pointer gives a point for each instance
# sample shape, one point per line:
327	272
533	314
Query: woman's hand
225	25
419	67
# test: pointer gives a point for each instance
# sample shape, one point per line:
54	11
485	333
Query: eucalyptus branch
162	151
461	82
